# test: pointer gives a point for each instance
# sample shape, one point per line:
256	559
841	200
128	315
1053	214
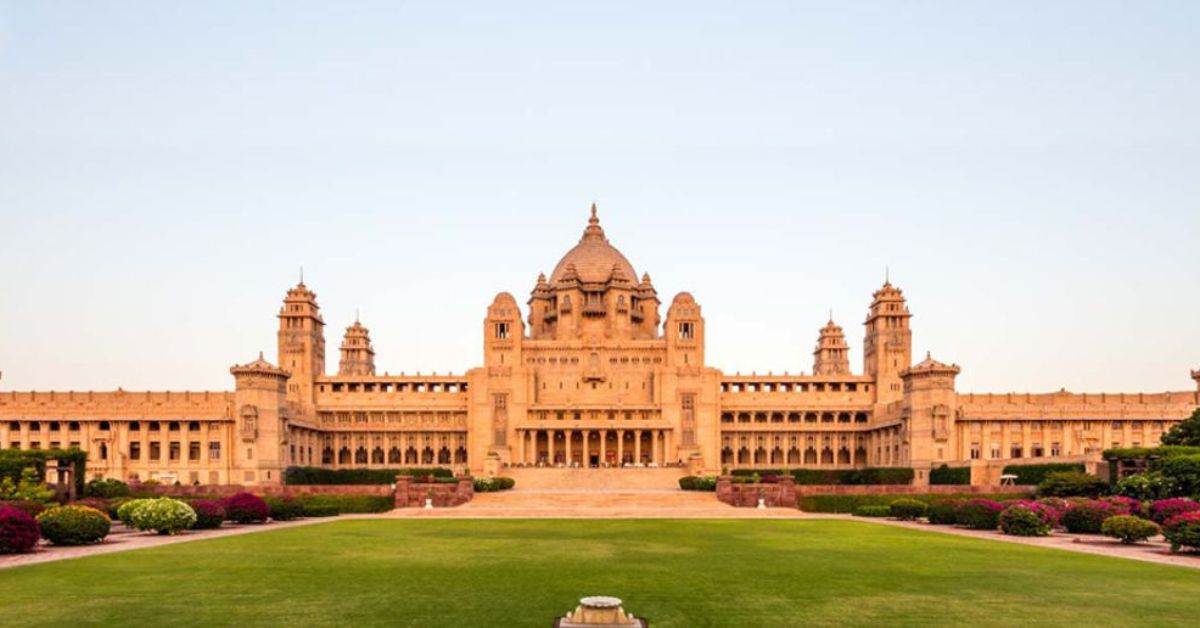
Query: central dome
594	258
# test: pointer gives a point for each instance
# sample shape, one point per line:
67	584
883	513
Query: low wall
225	490
410	494
781	494
903	489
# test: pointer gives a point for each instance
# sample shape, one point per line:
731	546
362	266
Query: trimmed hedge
1071	484
284	508
906	509
1184	471
210	514
74	525
1129	529
316	475
1162	451
106	488
1030	474
1088	517
698	483
872	510
943	512
1023	520
344	504
855	477
246	508
163	515
847	503
945	475
492	485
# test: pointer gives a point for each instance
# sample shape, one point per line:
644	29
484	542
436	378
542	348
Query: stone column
637	447
603	447
550	447
620	447
584	459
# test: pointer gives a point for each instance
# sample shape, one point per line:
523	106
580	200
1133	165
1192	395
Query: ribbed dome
594	258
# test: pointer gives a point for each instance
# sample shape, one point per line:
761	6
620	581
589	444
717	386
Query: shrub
246	508
943	511
1184	471
19	531
872	510
317	475
489	485
945	475
284	508
163	515
29	488
1071	484
698	483
316	510
1127	505
74	525
1128	528
209	514
346	504
847	503
125	511
13	463
1024	520
1183	531
1147	486
1031	474
1087	517
979	514
908	509
870	476
106	488
1164	510
1186	432
32	509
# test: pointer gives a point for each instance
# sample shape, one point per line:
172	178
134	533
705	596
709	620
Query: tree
1185	433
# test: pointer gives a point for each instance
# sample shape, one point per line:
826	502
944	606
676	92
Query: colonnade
595	447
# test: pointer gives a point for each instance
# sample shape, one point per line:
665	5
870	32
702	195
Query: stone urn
599	611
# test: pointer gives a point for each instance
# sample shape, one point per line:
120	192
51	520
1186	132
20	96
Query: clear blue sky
1030	171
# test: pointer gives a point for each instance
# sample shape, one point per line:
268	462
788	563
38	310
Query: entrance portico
600	447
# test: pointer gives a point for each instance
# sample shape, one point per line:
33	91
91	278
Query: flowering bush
19	532
1024	520
979	514
1127	505
74	525
106	488
1071	484
163	515
32	509
209	514
125	511
1164	510
943	511
1128	528
93	502
1146	486
908	509
1086	517
246	508
1183	531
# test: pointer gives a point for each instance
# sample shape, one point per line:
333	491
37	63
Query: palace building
592	373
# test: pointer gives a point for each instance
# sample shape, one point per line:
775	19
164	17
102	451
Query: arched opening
810	456
444	455
344	455
377	455
360	455
760	456
793	456
827	456
427	455
743	456
777	456
726	455
327	455
410	456
394	455
843	456
460	455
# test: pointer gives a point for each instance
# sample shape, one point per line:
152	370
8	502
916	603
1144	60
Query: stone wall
778	495
902	489
410	494
225	490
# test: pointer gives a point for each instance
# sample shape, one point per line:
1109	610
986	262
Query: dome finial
593	220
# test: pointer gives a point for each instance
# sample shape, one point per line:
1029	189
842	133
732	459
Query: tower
358	357
684	332
261	420
928	415
887	347
832	355
301	343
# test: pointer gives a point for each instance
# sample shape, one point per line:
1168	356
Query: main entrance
594	448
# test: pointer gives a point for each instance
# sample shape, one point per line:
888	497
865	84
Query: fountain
599	611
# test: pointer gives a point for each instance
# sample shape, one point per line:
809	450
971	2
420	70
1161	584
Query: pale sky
1029	171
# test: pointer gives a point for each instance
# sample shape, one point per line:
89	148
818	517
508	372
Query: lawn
524	573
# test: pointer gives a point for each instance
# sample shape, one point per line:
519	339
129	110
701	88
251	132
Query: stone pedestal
599	612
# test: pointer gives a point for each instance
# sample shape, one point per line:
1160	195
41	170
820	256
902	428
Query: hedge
868	476
1030	474
1162	451
315	475
847	503
13	461
344	504
945	475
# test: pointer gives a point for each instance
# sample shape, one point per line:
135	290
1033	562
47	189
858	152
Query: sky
1028	173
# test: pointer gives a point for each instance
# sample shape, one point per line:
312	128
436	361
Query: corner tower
301	343
887	347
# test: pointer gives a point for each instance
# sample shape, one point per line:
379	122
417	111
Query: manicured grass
524	573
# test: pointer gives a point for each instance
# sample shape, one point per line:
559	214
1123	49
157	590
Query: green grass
524	573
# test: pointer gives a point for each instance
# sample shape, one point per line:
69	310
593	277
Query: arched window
444	455
327	455
377	455
410	456
460	455
427	455
344	455
394	455
360	455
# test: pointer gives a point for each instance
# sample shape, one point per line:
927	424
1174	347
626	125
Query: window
1055	450
194	450
135	451
686	331
194	426
155	450
501	331
1016	451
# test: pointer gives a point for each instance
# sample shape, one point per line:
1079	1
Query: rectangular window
974	451
1055	450
686	331
173	450
135	451
1016	451
194	450
155	450
501	331
214	451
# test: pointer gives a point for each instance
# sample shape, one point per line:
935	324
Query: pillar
584	458
550	447
620	447
637	447
603	447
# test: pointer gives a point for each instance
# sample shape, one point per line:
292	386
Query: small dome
594	258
